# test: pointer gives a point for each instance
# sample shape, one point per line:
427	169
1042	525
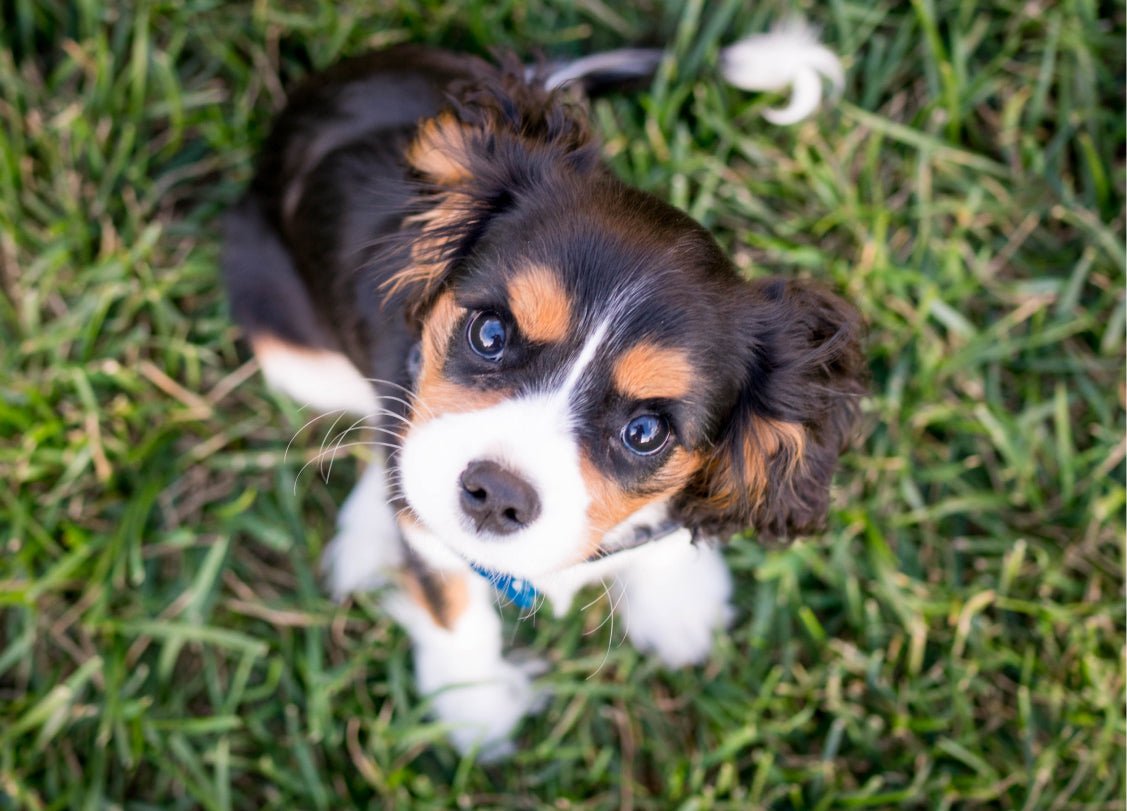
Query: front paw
482	710
366	547
674	604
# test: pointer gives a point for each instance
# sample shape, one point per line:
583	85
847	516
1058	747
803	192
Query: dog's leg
456	634
672	599
449	615
323	380
367	549
271	304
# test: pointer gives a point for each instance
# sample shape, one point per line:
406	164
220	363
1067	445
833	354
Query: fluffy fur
563	364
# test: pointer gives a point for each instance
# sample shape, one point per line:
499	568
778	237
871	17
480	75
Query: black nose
496	500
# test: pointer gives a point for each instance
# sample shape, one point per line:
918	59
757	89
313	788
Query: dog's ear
503	136
795	412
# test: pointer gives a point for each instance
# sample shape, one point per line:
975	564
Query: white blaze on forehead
583	359
620	303
533	436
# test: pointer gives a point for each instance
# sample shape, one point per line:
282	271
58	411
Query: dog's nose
496	500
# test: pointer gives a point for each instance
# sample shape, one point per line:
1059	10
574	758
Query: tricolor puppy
574	382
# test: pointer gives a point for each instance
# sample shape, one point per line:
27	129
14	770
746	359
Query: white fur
479	694
366	549
625	62
789	57
673	598
531	436
325	381
526	436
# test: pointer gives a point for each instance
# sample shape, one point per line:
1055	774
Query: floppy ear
502	136
803	375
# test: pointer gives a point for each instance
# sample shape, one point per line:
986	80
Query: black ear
502	137
796	410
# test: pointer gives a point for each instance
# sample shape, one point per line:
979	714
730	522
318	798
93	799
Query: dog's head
588	351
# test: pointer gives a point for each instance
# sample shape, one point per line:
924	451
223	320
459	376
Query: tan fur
610	504
436	394
428	251
540	304
766	439
443	397
647	371
445	596
441	150
443	318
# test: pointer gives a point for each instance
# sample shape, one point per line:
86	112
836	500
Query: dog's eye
646	435
487	335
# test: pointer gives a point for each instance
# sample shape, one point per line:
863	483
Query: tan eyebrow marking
647	371
540	304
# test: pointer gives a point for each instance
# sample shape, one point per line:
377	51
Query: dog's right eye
646	435
487	335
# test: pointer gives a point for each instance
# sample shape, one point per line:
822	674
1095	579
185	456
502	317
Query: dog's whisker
610	636
335	450
308	423
387	412
360	425
356	426
325	440
378	429
410	405
614	607
381	381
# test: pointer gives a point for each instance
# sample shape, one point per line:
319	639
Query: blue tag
516	590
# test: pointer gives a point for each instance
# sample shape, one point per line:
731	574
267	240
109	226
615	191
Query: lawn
954	640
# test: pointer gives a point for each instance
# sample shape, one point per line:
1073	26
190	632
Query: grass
955	640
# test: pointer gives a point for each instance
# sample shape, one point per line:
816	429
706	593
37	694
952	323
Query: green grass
955	640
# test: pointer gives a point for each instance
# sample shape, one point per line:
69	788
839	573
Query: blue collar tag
516	590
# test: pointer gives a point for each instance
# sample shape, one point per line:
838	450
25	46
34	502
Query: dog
571	379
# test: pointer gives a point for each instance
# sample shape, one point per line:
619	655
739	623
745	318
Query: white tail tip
789	56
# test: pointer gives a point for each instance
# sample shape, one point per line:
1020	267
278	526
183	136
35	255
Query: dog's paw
675	602
367	546
483	710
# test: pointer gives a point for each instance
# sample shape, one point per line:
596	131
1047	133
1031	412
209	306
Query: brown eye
487	335
645	435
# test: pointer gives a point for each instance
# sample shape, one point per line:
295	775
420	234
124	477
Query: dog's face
588	351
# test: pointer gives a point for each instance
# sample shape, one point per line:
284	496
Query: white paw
674	601
367	546
484	710
474	691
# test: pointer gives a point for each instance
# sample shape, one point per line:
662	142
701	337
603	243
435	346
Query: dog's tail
788	57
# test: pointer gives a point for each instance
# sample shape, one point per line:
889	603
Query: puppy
571	378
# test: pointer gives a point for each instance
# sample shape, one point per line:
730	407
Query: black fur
803	364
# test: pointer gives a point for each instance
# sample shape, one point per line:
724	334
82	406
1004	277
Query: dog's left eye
646	435
487	335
